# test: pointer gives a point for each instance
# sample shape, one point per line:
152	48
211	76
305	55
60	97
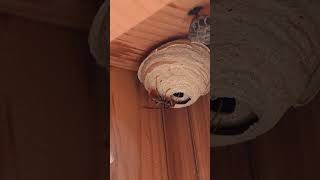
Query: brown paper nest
180	66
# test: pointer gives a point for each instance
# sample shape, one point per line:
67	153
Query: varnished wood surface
154	143
170	22
199	127
125	14
181	159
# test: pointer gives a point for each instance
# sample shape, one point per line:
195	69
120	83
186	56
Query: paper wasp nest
265	58
178	70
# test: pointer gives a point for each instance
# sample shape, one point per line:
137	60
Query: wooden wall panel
153	149
200	130
154	143
179	145
124	129
137	142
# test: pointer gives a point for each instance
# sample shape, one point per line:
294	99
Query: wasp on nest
177	73
167	101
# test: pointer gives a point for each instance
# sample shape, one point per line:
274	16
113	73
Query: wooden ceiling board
126	14
171	22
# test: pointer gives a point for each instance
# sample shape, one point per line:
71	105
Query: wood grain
152	143
125	14
152	132
124	126
170	22
179	145
136	135
199	119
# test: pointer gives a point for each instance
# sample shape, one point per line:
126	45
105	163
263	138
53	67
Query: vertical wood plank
199	116
124	126
179	146
137	140
155	143
152	135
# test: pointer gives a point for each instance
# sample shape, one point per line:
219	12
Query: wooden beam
125	14
172	21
